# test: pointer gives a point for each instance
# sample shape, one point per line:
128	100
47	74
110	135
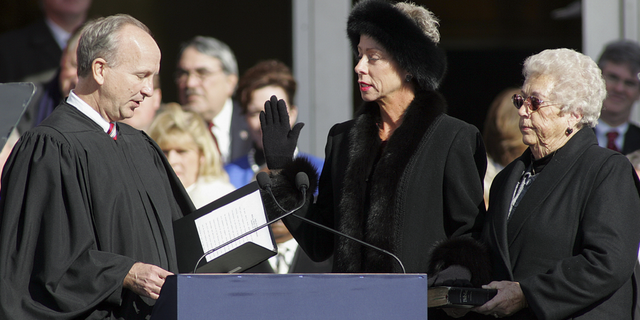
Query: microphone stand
267	185
304	192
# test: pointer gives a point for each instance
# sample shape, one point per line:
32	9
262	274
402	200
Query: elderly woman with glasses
563	224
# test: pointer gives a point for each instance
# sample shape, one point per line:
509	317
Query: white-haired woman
563	219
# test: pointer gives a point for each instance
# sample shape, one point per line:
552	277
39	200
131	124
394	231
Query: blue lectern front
292	296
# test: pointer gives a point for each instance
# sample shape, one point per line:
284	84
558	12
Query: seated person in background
144	114
190	149
256	86
502	137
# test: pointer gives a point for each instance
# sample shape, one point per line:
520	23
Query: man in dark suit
620	65
36	49
206	76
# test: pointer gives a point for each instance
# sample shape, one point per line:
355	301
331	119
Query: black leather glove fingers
279	140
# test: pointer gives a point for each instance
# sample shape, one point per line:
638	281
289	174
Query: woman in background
502	137
190	149
257	85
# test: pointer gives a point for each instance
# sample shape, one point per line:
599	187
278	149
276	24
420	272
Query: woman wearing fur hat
402	175
563	218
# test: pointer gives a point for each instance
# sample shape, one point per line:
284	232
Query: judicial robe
77	210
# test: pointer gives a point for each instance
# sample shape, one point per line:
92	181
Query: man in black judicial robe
85	214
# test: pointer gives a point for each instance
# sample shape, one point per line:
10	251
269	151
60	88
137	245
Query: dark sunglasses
518	101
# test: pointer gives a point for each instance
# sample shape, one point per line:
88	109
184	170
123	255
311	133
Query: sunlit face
545	127
126	85
203	87
184	156
379	76
623	88
258	98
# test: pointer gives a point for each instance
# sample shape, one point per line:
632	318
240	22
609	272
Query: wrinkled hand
278	139
146	279
509	300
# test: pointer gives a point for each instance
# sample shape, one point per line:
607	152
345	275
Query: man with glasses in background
620	65
206	76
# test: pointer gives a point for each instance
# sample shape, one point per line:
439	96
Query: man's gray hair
100	39
213	48
622	52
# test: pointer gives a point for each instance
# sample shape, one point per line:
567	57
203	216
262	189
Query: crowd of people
543	205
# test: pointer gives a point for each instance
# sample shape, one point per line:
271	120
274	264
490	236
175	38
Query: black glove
452	276
278	139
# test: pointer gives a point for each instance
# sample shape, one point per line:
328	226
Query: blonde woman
191	151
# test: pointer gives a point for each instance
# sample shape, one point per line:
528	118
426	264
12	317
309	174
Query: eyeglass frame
201	74
519	101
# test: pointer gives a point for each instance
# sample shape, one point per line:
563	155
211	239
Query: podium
292	296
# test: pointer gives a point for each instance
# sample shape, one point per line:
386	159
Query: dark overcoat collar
368	209
505	230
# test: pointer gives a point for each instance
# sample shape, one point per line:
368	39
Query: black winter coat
572	242
425	187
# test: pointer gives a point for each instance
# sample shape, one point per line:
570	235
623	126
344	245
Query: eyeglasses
518	101
201	74
613	79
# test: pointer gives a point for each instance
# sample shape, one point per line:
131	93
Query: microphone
264	182
302	183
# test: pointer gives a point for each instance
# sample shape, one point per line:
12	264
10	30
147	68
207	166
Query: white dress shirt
87	110
222	130
602	129
60	35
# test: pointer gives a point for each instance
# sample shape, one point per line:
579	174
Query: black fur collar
374	218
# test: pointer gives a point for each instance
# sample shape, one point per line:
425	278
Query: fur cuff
465	252
283	185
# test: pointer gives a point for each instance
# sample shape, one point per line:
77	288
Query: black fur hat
414	51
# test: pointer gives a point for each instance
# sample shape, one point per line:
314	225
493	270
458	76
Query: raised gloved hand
279	140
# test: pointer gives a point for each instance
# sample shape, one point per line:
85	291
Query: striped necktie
112	132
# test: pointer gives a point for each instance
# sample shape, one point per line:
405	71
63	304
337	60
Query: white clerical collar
60	35
87	110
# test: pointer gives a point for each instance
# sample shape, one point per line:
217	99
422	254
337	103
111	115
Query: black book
465	297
